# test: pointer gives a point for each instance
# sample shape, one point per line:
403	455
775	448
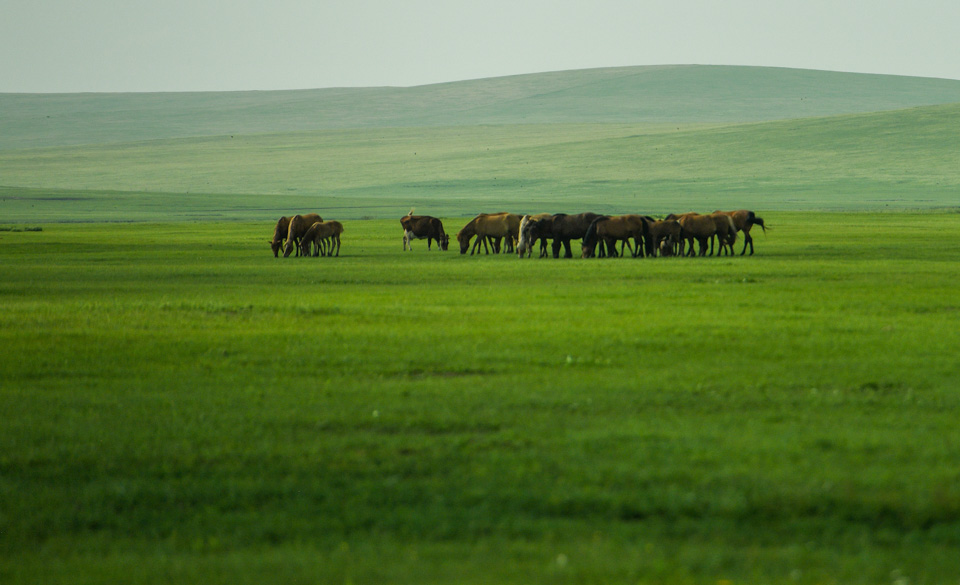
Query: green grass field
178	406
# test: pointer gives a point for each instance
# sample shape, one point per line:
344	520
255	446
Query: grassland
179	406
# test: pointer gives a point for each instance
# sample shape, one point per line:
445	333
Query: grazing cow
279	234
532	229
565	227
299	224
423	227
323	237
743	220
489	226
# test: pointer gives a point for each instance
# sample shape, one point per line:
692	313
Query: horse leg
566	249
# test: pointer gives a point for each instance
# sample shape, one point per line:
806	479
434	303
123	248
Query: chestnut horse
743	220
611	230
489	225
704	228
323	237
659	231
299	224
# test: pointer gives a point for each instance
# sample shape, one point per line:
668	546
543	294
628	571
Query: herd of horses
686	234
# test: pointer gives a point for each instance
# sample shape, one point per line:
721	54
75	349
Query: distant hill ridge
654	94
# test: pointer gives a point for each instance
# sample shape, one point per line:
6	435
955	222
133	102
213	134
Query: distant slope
664	94
903	159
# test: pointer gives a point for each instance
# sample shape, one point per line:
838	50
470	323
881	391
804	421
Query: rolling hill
650	139
631	95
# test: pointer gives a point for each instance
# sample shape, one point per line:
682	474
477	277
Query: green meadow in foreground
179	406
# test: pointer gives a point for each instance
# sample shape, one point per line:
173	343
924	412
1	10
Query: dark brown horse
279	235
565	227
299	224
533	228
610	230
743	220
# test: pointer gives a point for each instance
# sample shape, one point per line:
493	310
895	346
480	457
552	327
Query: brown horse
323	237
299	224
726	233
489	225
565	227
611	230
703	228
532	229
697	227
279	234
659	231
743	220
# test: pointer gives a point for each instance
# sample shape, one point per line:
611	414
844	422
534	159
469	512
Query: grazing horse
565	227
661	230
704	228
423	227
323	237
666	246
279	234
610	230
299	224
726	232
697	227
489	225
743	220
532	229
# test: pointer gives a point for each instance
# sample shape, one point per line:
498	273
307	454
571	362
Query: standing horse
279	234
743	220
531	229
569	227
323	237
726	233
697	227
492	226
610	230
660	231
299	224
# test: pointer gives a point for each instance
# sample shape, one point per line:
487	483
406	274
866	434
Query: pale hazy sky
201	45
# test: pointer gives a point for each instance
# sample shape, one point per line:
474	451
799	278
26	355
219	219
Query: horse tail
754	220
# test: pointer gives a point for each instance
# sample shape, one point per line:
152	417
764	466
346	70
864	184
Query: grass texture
178	405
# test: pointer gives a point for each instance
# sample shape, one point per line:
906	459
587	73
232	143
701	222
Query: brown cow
423	227
299	224
279	234
743	220
317	236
